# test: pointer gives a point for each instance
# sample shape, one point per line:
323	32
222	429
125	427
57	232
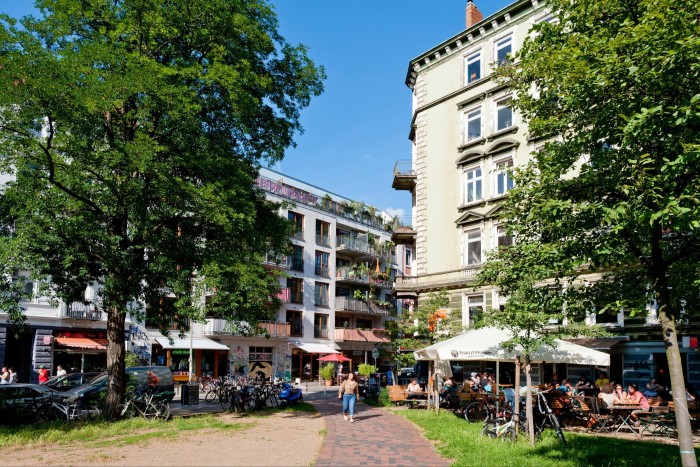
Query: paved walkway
377	437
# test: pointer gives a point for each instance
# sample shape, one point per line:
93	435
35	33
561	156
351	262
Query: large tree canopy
132	131
613	86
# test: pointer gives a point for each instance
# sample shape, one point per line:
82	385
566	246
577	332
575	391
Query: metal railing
218	326
323	240
323	271
351	242
358	306
349	274
84	311
404	167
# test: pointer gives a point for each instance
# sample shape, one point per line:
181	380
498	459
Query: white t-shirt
61	372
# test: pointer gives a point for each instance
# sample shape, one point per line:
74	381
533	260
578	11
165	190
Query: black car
69	381
19	402
93	392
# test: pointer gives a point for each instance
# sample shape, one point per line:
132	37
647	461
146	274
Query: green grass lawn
461	441
96	434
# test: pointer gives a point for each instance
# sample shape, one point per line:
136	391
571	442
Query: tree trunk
528	401
115	359
675	370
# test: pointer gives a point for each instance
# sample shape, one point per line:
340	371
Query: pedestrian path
378	437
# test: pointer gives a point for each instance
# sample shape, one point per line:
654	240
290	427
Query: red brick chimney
473	14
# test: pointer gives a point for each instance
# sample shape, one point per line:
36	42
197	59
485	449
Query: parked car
18	402
95	390
69	381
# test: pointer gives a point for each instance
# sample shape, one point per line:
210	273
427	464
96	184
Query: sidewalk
378	437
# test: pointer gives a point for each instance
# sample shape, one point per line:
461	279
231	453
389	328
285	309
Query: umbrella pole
498	386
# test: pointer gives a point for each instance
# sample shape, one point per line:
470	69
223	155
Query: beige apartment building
465	137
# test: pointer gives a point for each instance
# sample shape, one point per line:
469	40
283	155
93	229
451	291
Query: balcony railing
404	167
358	335
323	271
358	306
218	326
353	243
281	261
323	240
349	274
83	311
297	264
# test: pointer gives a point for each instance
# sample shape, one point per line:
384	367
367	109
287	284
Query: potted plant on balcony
327	373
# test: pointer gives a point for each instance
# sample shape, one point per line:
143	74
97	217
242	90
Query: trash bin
189	394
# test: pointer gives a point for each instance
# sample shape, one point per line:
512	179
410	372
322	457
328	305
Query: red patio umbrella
334	357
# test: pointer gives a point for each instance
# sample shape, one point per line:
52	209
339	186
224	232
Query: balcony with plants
223	327
361	335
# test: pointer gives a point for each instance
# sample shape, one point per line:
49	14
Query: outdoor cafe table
624	411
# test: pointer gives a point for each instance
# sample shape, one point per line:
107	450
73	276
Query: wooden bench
397	394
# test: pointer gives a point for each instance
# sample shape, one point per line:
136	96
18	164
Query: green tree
133	131
614	87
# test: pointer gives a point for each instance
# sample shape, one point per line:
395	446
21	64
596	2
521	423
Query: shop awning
198	343
598	343
316	348
81	343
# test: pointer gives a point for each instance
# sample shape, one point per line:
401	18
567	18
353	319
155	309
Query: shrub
327	372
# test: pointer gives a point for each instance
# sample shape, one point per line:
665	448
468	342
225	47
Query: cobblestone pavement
377	437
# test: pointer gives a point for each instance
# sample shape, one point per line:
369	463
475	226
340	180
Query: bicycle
480	411
141	403
496	428
549	417
67	412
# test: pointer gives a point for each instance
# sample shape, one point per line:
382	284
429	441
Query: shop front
209	358
305	364
80	351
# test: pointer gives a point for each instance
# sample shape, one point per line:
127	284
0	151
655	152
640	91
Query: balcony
223	327
359	335
404	176
278	261
83	311
354	245
404	235
320	332
297	264
348	274
354	305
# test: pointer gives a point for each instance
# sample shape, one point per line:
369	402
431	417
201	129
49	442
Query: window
297	221
296	323
502	238
321	294
474	308
473	246
342	322
323	233
408	257
322	264
503	178
473	67
504	48
296	290
320	326
472	125
472	185
504	115
298	258
363	323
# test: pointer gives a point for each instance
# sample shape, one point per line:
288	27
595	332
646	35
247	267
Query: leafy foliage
327	371
365	369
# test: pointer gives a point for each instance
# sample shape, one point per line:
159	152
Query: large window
472	185
296	323
321	294
323	233
296	290
472	124
504	49
297	221
504	114
322	267
472	246
502	238
320	326
474	308
472	66
298	258
503	178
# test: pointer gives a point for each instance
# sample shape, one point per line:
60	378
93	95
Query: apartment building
465	137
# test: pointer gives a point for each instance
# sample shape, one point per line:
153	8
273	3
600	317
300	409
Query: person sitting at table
475	378
602	380
486	382
468	388
635	396
607	396
653	388
619	395
583	383
413	388
566	387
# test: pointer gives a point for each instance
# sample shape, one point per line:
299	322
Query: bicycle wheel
211	395
476	412
123	411
86	413
272	401
162	412
511	434
250	403
225	399
48	415
557	429
490	430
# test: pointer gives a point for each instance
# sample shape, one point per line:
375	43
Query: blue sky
357	130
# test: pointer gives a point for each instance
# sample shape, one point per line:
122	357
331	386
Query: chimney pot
473	14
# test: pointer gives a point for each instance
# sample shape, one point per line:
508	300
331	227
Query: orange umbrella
334	357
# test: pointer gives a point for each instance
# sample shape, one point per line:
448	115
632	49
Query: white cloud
395	212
